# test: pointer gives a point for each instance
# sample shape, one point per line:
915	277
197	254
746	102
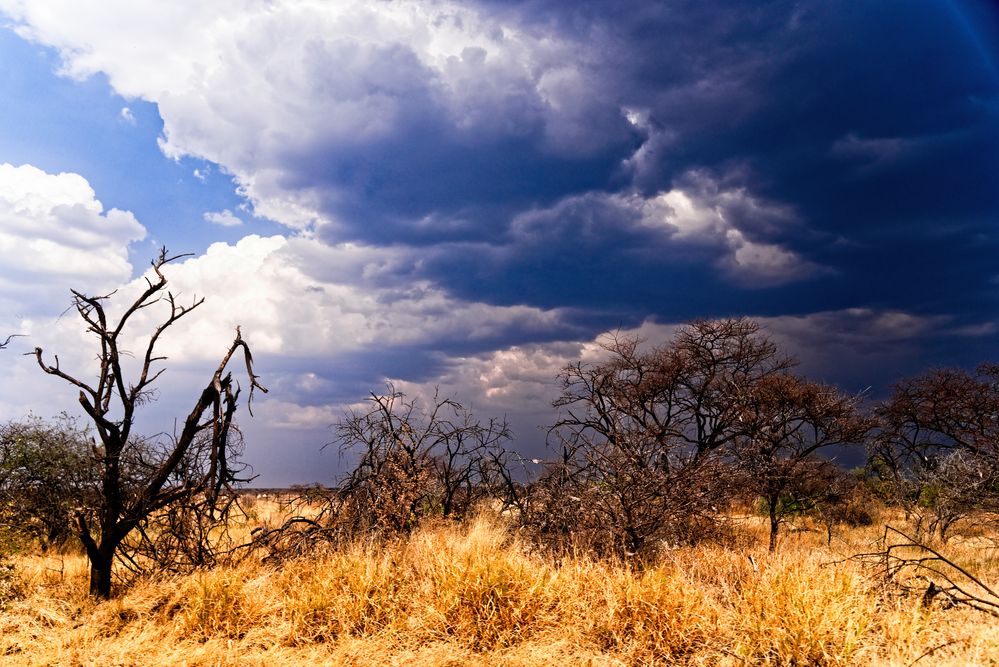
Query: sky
466	197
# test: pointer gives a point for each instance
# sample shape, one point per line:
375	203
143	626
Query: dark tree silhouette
137	479
939	411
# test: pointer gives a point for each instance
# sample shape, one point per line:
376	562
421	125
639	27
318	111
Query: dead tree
139	481
915	568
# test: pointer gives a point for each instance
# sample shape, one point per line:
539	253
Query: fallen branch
902	562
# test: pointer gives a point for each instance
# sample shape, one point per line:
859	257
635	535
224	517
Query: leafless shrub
414	463
312	523
195	530
958	487
410	464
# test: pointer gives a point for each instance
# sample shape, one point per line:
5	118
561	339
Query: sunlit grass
475	595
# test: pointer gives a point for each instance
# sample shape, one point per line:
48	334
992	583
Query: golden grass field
474	595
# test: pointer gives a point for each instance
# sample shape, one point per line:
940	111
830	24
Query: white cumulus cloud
224	218
278	290
55	234
271	90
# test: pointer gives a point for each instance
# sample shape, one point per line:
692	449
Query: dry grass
473	595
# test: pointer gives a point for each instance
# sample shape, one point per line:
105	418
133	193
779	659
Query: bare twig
9	338
933	649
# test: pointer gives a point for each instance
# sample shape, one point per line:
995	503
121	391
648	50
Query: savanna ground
474	594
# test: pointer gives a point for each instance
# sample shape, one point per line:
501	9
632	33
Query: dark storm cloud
876	124
633	159
617	259
423	190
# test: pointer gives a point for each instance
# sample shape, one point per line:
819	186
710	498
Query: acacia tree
641	434
942	410
46	470
720	361
937	447
139	479
785	420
